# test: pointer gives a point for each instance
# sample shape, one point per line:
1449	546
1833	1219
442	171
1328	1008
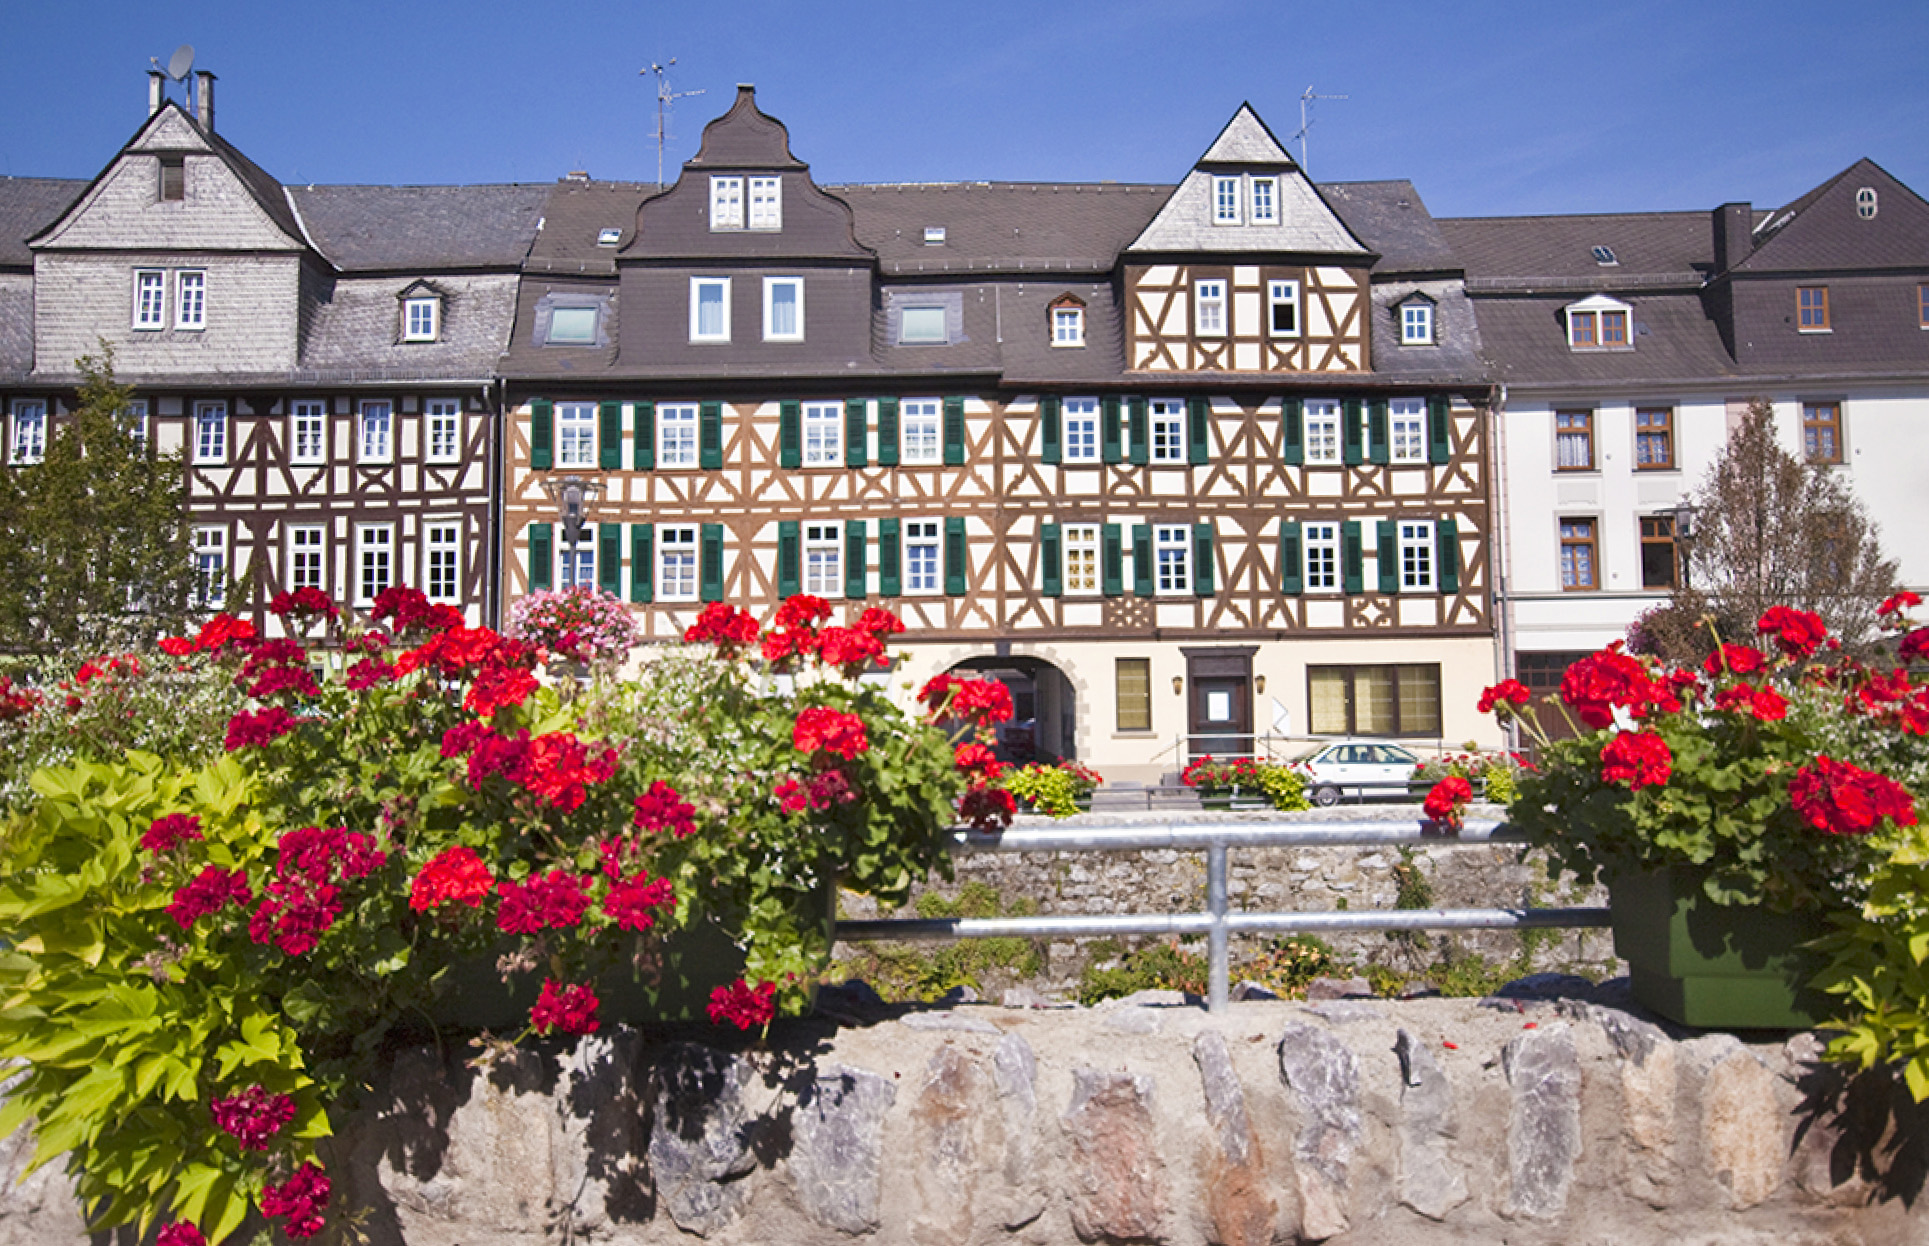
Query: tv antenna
664	98
1306	121
178	65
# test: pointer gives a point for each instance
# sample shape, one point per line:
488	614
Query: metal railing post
1219	965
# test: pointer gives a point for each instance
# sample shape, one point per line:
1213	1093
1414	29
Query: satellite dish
182	61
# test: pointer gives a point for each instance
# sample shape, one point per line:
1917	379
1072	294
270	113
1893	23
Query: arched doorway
1044	708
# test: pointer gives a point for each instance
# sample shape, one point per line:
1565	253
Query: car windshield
1311	753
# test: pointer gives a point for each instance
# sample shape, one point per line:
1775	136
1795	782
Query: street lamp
1684	536
574	494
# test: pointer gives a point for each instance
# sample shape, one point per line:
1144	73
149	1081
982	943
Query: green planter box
1714	966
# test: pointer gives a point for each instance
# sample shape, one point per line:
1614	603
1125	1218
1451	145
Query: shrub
1052	790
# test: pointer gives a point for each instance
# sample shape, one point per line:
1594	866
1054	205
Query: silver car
1358	770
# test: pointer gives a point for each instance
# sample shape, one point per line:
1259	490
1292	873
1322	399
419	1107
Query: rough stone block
1239	1199
836	1159
1744	1131
1118	1186
1325	1075
700	1137
1431	1181
1544	1121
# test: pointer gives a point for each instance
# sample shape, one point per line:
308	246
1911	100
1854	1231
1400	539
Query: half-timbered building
1184	465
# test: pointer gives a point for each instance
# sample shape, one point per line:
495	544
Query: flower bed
1055	791
1282	785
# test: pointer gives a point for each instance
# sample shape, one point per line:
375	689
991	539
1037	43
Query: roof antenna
1306	122
178	65
664	98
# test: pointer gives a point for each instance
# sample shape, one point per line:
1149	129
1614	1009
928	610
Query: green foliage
1051	790
1157	966
1495	776
1288	964
908	971
1879	965
1281	785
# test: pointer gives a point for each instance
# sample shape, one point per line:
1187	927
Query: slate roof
574	213
355	332
421	228
1010	227
1674	341
27	206
1390	218
1821	230
16	325
1556	252
1456	354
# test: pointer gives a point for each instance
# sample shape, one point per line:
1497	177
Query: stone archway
1044	725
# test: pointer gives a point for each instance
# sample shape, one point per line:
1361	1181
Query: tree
97	555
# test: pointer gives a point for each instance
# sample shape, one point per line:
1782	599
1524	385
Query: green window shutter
1202	566
1438	448
1389	557
1142	584
643	443
710	563
1350	437
788	540
890	579
854	552
542	434
609	557
1139	436
710	436
1198	426
1352	561
609	455
856	425
1050	430
790	434
542	554
1376	431
1292	431
954	432
1446	535
1112	560
887	434
1110	447
642	562
956	556
1292	562
1051	560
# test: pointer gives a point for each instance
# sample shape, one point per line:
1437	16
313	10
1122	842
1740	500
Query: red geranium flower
742	1005
989	809
1508	691
300	1199
1738	659
1899	601
177	647
570	1009
822	729
167	833
223	630
1798	632
1448	799
454	875
1639	758
367	673
557	899
802	611
252	1117
632	902
306	600
724	626
212	888
252	729
1914	645
1598	683
1840	799
497	685
180	1233
559	769
662	809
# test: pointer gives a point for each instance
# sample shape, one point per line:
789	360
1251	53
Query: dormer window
1598	323
421	318
1068	322
726	203
1416	322
609	237
766	203
1604	256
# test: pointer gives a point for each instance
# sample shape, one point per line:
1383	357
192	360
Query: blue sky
1488	108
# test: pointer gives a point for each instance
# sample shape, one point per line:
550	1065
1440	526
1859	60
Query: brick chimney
156	90
204	99
1734	234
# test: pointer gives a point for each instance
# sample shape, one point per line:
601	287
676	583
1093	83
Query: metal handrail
1216	839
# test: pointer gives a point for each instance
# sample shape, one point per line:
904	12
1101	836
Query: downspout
1502	545
492	590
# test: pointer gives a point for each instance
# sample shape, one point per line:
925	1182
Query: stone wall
1527	1121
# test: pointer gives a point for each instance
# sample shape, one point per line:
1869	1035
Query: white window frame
1209	307
307	557
1414	539
307	432
726	202
29	441
1320	552
576	566
1416	323
1599	306
1225	200
1406	430
823	434
823	559
677	555
1068	326
191	299
926	310
554	336
442	420
923	558
676	434
698	285
1082	575
771	286
921	431
374	551
442	560
1320	423
1282	293
1081	430
375	431
150	298
766	195
1263	194
421	318
210	567
134	420
211	432
1172	559
576	436
1166	418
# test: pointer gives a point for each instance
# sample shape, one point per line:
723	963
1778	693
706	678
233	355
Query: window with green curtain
1352	558
642	562
856	426
1142	581
1198	430
1110	434
1352	451
1376	432
1112	560
542	434
1139	434
1202	560
1446	534
1388	542
887	432
542	554
954	432
1438	428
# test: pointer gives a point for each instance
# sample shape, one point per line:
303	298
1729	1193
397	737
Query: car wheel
1326	796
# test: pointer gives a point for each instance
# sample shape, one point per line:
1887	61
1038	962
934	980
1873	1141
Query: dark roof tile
27	206
421	228
1000	226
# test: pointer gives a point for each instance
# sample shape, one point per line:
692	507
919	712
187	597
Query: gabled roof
1822	230
1247	140
420	228
27	206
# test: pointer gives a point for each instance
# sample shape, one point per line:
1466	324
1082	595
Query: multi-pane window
823	434
1172	558
920	431
1081	430
1133	678
766	203
1653	438
210	591
190	300
1822	432
921	556
374	560
1406	421
1599	329
823	561
783	309
578	566
1574	441
576	434
210	432
421	319
307	432
676	564
1321	417
1209	308
150	299
1081	558
442	544
444	417
1415	538
1374	700
1168	430
1577	554
1812	309
1265	196
726	203
1416	323
29	431
1225	201
1068	326
676	434
1282	308
305	557
377	432
710	309
1657	551
134	420
1321	542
